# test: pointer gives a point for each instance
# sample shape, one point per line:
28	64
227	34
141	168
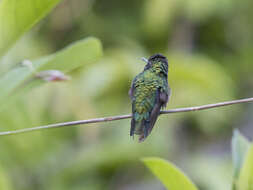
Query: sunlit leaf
240	146
168	174
245	181
76	55
18	16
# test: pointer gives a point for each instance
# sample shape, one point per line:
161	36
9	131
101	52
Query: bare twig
114	118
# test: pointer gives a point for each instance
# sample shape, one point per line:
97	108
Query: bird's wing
148	96
143	99
160	101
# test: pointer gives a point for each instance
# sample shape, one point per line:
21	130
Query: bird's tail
142	128
136	127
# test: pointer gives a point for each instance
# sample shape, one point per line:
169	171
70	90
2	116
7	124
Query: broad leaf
76	55
245	181
168	174
240	146
18	16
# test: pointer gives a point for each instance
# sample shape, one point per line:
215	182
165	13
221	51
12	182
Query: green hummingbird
149	93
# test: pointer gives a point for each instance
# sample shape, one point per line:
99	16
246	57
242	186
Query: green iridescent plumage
149	93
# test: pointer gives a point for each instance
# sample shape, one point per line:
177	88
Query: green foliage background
209	45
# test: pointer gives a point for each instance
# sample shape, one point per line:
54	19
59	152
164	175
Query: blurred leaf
80	53
17	17
119	66
97	158
199	10
158	15
240	146
195	80
215	172
245	181
4	182
170	175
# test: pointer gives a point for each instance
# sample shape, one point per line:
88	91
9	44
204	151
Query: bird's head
158	63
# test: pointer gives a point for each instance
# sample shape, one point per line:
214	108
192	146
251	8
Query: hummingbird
149	93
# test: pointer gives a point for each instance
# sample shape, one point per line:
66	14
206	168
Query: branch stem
114	118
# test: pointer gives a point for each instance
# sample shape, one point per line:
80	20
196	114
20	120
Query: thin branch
114	118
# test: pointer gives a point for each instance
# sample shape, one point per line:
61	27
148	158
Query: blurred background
209	46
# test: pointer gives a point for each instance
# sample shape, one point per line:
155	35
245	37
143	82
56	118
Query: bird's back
146	88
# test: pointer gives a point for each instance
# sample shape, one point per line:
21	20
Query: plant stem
114	118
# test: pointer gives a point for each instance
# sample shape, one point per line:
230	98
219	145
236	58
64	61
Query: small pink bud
52	75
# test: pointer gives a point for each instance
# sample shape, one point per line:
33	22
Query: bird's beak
144	59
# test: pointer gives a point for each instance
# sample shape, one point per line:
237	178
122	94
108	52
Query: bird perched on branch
149	93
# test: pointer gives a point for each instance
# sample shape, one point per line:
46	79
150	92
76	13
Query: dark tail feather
153	117
145	131
144	128
132	127
154	113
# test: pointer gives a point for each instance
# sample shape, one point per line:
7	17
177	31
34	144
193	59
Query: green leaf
240	146
168	174
18	16
197	79
201	10
78	54
4	180
157	15
245	181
